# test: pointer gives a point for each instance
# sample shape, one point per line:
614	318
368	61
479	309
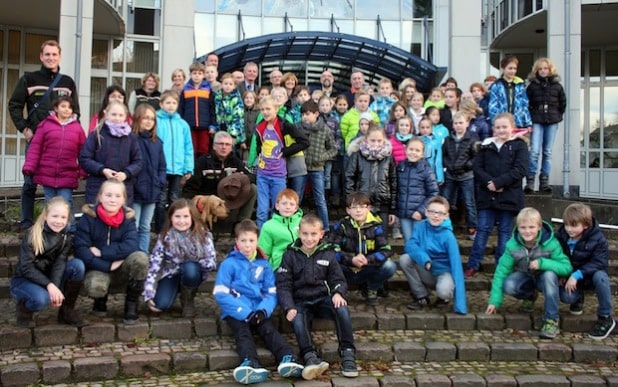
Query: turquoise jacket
175	134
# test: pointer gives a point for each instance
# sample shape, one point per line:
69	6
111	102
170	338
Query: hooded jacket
499	101
416	184
590	253
546	98
277	234
197	106
175	134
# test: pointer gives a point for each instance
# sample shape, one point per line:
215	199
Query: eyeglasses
358	207
434	212
223	143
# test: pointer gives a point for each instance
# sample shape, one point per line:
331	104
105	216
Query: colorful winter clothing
277	234
322	145
433	155
349	124
177	145
589	254
230	114
382	107
510	97
399	143
197	107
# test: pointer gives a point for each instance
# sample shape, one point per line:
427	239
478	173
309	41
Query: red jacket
52	156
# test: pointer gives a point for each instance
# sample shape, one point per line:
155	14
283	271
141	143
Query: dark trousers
28	193
245	346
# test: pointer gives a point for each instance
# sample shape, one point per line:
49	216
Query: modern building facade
117	41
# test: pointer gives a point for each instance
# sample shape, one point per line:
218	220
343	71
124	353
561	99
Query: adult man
250	72
275	78
210	169
357	80
238	76
32	93
327	84
212	59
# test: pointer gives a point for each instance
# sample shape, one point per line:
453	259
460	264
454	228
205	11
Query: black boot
187	299
67	313
529	188
24	317
544	184
134	290
100	306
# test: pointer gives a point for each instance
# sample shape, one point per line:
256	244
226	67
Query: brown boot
24	317
67	313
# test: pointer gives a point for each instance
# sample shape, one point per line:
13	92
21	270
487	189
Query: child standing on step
181	259
43	276
246	293
310	283
587	248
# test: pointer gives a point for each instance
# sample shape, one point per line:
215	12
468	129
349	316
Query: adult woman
179	79
149	92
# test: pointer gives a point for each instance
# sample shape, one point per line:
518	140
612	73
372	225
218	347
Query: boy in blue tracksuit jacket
432	259
246	293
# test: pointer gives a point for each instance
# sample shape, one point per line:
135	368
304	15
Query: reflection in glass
582	117
610	117
249	7
422	8
594	118
339	9
582	159
595	160
610	159
142	57
280	7
99	54
366	9
117	55
204	5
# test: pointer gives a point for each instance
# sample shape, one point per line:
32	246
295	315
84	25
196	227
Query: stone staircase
395	346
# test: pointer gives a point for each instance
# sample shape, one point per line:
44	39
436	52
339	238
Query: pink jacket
399	150
52	155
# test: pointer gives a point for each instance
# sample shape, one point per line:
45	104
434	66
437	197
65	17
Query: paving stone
95	368
172	329
266	358
361	381
458	322
205	326
477	283
4	288
364	320
319	324
583	323
225	329
513	352
554	352
391	321
374	352
542	381
431	380
55	334
440	351
14	337
20	374
99	333
5	268
590	353
500	380
468	380
397	381
489	322
189	361
586	381
139	330
56	371
472	351
222	359
311	383
408	352
518	321
612	381
142	364
424	321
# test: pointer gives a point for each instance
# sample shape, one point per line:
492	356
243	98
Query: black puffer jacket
591	252
375	178
458	156
546	98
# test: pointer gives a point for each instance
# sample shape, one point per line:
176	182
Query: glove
256	319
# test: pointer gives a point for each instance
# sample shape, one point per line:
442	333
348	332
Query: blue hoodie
175	134
437	244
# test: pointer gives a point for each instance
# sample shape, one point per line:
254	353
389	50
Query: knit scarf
118	130
184	245
404	138
375	152
111	220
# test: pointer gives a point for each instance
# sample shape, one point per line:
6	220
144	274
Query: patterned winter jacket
230	114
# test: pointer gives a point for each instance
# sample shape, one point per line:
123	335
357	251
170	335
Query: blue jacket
433	155
416	184
590	253
177	145
151	180
115	243
499	101
439	246
197	106
243	287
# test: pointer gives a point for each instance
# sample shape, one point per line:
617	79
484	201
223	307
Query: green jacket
547	250
277	234
350	124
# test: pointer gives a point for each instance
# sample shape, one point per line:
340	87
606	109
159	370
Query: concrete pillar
177	40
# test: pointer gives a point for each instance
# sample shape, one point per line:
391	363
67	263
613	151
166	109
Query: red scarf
111	220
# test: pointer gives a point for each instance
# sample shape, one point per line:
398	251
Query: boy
281	230
533	259
432	259
350	120
586	246
197	107
362	247
321	149
211	74
268	152
310	282
230	111
245	291
382	103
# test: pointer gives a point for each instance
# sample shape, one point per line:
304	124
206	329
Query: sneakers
550	329
602	328
348	363
577	308
471	233
289	367
397	233
250	372
469	273
527	306
419	303
372	298
314	366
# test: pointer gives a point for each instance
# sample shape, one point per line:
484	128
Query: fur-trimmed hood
89	209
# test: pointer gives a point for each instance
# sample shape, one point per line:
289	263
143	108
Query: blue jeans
373	276
65	193
522	286
268	188
541	140
167	288
143	216
297	184
407	227
35	296
466	188
322	307
486	220
317	187
600	282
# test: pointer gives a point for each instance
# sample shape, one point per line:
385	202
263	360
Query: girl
333	169
452	97
111	152
106	242
416	110
112	93
52	156
371	170
479	127
438	130
499	168
43	276
401	138
151	180
251	113
263	91
181	259
436	99
433	149
407	94
341	106
230	111
547	106
397	111
416	184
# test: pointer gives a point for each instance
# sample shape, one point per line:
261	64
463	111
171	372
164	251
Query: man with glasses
210	169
